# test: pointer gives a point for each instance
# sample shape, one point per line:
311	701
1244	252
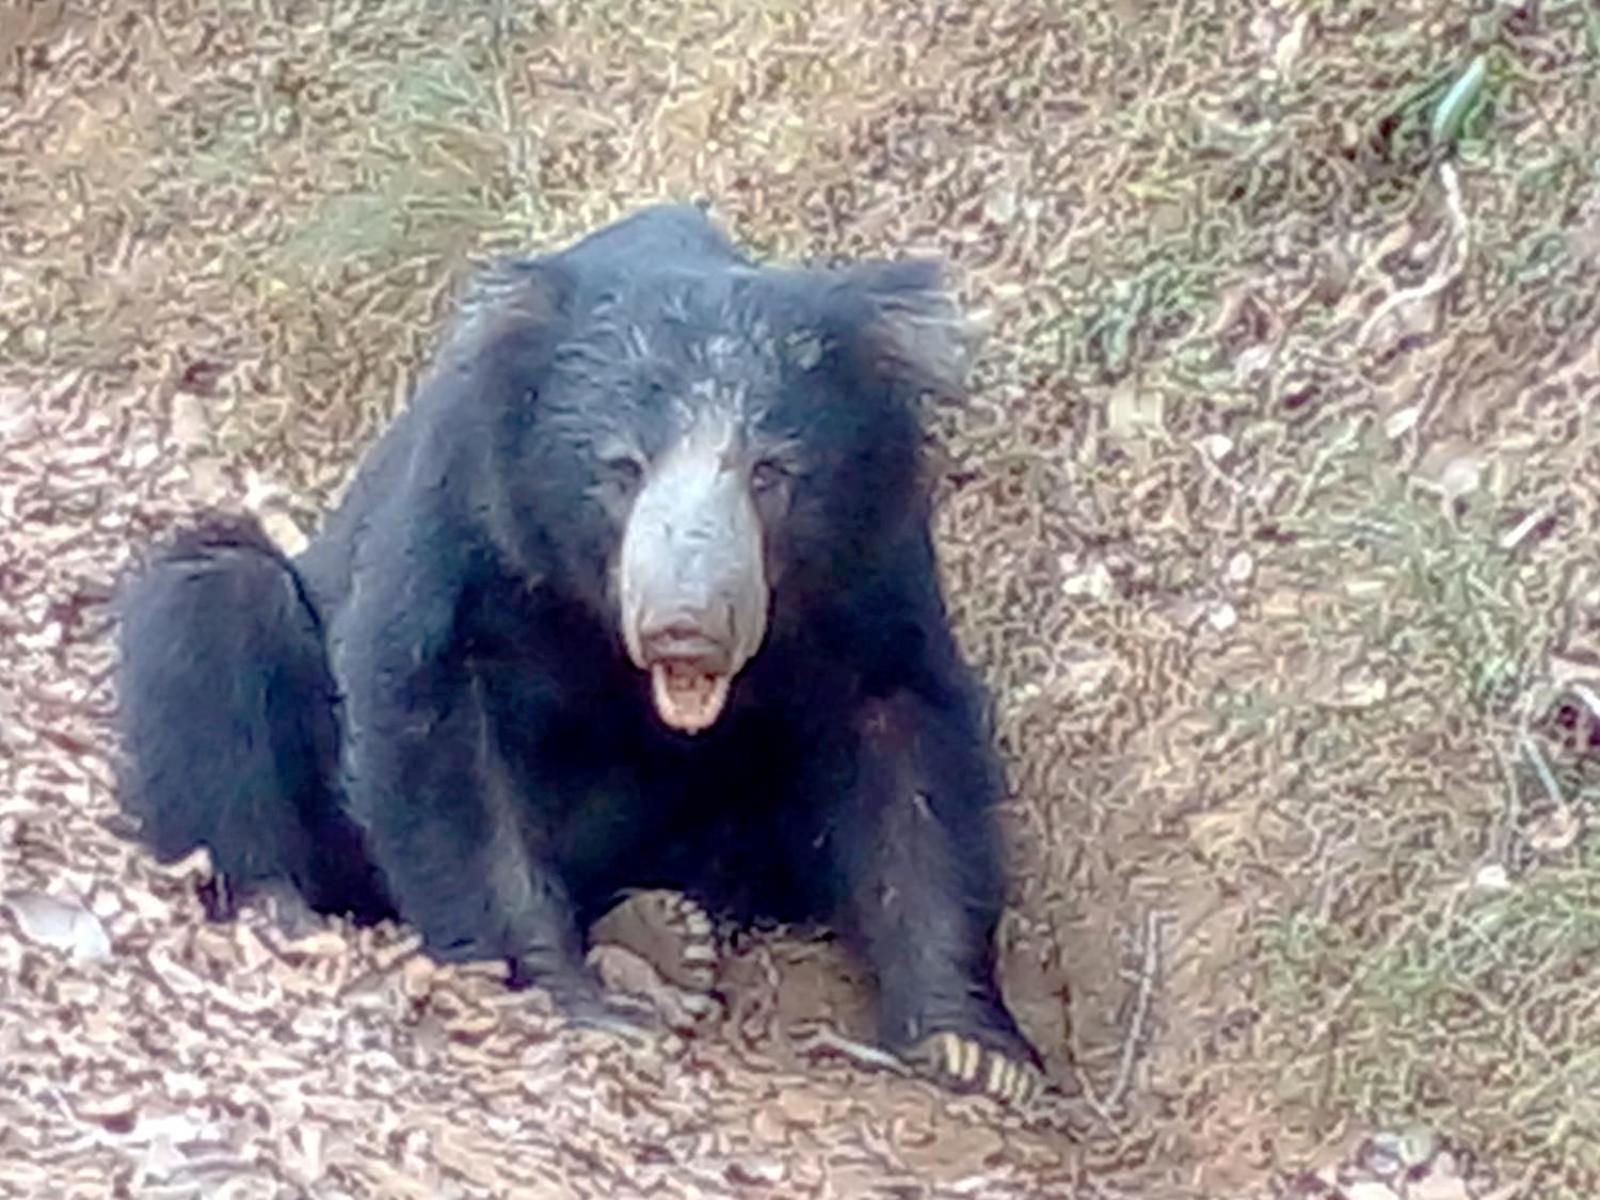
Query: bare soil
1270	526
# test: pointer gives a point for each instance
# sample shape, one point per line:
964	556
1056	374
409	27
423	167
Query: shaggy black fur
431	715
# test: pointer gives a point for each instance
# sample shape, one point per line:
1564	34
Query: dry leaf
1402	421
1222	617
1452	468
1354	689
1556	830
1289	46
1492	877
1131	414
1438	1186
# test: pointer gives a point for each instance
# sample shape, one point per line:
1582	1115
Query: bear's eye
767	475
626	471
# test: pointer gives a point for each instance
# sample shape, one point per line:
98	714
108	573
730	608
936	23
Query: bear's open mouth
687	696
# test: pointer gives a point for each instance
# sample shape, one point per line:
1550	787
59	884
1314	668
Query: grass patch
1431	964
1489	992
1442	590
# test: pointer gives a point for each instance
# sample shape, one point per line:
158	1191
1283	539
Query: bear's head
680	435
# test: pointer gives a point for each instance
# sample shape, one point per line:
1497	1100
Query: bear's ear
514	301
913	332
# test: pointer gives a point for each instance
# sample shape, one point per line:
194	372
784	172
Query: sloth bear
638	592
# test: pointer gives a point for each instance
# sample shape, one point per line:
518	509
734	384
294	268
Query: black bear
638	592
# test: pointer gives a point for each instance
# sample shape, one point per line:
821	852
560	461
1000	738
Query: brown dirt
1276	587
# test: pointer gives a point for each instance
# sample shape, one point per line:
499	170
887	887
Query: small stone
60	923
1388	1153
1093	583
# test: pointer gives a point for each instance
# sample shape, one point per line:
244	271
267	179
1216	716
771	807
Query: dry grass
1271	528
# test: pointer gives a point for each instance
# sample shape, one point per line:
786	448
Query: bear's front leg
447	818
920	894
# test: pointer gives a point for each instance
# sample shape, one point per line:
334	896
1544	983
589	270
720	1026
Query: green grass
1435	966
1486	992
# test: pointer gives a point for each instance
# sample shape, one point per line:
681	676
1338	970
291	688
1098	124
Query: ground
1270	527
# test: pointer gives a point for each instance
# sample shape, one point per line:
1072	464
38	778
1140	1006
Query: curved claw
670	931
965	1064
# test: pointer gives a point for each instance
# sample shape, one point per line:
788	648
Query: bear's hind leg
226	711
